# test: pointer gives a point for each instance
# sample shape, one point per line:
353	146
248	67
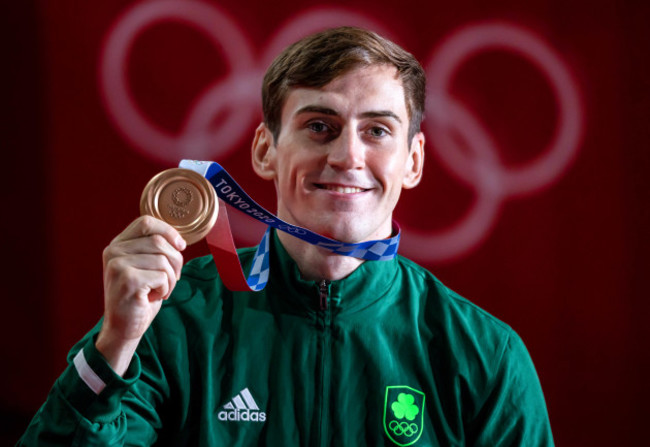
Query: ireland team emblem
403	414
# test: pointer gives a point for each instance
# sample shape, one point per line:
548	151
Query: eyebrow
380	114
332	112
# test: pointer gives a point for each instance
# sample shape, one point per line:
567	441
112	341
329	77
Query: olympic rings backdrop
533	203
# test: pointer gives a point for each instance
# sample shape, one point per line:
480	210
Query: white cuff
89	376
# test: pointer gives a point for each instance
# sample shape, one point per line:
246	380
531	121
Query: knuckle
177	258
158	241
107	254
112	266
117	268
161	261
147	224
128	275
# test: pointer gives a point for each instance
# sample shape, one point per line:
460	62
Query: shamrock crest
404	407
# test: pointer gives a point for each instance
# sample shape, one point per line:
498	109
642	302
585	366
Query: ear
263	153
415	162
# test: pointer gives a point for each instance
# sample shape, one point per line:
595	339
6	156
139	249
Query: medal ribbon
222	245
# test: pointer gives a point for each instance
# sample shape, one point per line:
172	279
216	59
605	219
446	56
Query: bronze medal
184	199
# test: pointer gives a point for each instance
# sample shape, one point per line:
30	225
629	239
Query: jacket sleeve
514	412
90	405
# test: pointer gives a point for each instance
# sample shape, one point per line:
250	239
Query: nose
347	151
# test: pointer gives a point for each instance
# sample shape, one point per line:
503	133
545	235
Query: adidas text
242	415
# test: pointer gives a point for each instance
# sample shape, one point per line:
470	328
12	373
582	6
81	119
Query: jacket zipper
324	370
324	298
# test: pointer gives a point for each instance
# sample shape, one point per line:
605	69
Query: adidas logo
242	407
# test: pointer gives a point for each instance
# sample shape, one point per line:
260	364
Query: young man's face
342	155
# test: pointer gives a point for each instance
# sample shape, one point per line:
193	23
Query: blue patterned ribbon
232	194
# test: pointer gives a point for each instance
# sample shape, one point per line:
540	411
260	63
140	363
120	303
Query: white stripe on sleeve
89	376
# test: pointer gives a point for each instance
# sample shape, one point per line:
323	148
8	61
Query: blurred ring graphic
483	171
236	96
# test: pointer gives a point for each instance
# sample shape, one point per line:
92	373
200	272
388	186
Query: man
335	350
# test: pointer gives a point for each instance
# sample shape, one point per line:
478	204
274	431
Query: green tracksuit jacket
387	356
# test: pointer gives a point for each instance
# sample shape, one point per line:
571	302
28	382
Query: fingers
147	253
147	226
149	276
147	235
146	247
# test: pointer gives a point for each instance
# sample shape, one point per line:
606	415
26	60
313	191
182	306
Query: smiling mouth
341	189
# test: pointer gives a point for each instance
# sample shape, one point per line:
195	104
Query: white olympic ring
138	129
492	182
237	94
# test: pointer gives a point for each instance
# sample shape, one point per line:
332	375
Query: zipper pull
323	294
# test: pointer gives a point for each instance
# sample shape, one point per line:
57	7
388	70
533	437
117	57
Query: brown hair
318	59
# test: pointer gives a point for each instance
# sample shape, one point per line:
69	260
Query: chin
344	234
344	228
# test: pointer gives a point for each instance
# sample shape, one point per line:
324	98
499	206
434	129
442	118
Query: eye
318	127
322	131
378	132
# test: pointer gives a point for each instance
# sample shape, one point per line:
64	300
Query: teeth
343	189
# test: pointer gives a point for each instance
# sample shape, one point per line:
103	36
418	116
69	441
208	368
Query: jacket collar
371	281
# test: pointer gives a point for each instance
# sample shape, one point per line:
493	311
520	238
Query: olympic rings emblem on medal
403	428
236	96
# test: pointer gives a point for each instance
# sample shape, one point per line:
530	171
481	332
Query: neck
316	263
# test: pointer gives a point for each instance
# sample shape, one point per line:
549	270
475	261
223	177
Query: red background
564	266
